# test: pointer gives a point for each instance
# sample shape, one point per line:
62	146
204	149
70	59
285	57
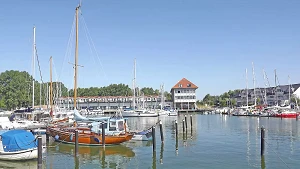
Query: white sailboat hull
19	155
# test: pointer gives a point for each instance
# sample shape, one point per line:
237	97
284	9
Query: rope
59	142
37	58
277	155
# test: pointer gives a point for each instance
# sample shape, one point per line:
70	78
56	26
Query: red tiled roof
184	83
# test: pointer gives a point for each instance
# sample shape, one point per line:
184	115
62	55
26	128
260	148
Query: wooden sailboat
87	136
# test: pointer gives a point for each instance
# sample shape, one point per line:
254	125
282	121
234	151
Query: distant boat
18	145
145	135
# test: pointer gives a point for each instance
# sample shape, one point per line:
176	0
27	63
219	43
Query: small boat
18	145
86	136
145	135
287	114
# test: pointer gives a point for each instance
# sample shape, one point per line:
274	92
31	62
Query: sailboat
87	135
137	112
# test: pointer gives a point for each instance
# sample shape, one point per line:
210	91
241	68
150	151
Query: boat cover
16	140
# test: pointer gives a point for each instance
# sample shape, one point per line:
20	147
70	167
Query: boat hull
87	138
19	155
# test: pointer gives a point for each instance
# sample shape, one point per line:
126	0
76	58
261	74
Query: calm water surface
215	141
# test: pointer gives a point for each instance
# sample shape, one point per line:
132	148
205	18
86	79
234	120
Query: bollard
161	132
176	129
191	121
183	128
40	152
297	116
262	141
153	139
103	135
76	142
185	121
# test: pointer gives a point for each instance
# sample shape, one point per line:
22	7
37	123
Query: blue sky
210	43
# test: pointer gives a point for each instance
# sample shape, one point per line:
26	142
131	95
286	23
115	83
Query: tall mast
76	59
289	90
266	101
254	84
247	86
276	87
134	76
33	67
51	88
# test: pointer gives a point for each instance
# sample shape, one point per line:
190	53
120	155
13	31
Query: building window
178	91
189	85
180	85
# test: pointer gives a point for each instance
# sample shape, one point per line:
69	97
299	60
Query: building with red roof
184	94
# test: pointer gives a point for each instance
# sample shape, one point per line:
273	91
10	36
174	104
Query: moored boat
18	145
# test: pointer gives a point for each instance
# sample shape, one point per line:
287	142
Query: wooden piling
76	142
161	132
183	127
297	116
40	152
153	139
262	141
191	118
103	134
176	128
185	119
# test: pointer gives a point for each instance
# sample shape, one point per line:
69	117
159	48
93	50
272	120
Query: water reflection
161	153
154	160
32	164
263	164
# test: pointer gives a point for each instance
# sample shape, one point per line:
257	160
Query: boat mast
134	76
254	84
276	88
289	90
51	87
33	67
76	58
266	101
247	86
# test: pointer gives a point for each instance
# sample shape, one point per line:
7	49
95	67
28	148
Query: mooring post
76	142
185	119
176	128
40	152
103	134
153	139
191	121
297	116
183	127
161	132
262	140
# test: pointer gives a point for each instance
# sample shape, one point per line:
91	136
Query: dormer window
189	85
180	85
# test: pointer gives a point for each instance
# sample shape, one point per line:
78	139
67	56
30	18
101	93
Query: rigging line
69	47
88	32
37	58
277	154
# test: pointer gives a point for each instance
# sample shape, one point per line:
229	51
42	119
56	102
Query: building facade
268	96
184	95
109	102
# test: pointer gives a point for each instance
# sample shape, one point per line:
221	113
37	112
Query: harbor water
214	141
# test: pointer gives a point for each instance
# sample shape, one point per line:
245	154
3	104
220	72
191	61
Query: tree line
16	90
223	100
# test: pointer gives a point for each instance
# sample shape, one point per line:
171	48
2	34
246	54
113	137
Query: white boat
142	135
18	145
139	113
